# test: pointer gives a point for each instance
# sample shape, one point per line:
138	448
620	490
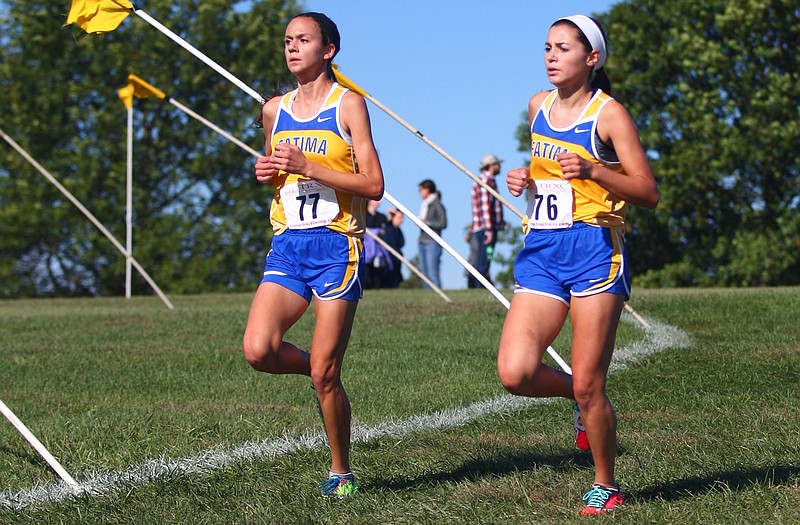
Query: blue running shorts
316	261
578	261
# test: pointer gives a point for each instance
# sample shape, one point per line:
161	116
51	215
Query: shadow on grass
670	491
730	480
23	454
495	466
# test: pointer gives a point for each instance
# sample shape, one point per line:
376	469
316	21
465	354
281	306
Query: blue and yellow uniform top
591	203
302	203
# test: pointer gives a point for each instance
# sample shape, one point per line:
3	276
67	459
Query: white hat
489	160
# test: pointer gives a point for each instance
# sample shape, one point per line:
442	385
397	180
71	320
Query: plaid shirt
487	211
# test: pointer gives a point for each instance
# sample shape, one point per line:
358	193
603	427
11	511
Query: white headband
593	34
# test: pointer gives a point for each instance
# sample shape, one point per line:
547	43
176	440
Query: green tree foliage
714	87
505	263
200	218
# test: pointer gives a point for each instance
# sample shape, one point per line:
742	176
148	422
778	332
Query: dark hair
599	79
277	91
330	35
429	185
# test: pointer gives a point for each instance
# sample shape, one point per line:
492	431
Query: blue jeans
430	254
478	256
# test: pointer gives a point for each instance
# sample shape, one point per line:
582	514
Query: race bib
549	204
308	204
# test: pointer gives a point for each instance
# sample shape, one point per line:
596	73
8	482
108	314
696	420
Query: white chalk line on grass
658	337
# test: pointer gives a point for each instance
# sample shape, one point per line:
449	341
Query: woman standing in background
433	214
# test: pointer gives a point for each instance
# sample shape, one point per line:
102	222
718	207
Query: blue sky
461	72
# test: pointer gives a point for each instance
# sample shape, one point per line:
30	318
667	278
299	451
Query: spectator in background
433	214
376	258
394	237
487	220
374	218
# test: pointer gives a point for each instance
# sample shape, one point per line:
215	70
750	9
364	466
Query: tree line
713	85
199	216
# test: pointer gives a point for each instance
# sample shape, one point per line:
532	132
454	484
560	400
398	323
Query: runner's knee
261	353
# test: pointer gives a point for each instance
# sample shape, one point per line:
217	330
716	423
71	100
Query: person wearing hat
487	220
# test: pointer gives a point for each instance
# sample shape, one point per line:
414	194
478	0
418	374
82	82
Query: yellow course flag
98	16
126	95
138	88
346	82
142	89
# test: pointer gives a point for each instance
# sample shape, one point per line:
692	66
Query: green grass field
160	413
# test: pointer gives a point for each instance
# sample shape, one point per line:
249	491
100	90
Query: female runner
321	159
587	165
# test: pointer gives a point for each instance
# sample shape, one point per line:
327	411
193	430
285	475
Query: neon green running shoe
339	486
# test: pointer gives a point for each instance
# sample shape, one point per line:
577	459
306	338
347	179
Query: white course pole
36	444
203	58
411	267
129	207
87	214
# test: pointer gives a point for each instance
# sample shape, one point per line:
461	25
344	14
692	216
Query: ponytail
329	71
601	81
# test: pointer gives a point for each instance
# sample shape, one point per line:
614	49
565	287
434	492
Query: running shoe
579	429
600	500
339	485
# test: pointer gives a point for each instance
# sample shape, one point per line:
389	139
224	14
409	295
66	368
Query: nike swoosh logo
581	130
330	284
321	120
